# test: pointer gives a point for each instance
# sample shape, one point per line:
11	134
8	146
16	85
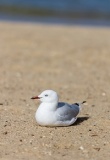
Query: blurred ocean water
69	9
65	6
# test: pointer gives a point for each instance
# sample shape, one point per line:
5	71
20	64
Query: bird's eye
46	95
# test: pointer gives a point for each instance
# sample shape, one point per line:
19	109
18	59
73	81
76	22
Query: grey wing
76	108
66	111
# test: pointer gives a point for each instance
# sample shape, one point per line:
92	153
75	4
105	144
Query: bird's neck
50	106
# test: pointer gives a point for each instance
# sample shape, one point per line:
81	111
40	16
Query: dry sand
72	60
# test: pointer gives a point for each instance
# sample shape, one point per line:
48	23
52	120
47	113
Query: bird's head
48	96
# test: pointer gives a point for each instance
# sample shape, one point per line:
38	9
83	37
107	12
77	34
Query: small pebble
81	148
5	132
20	140
103	94
98	149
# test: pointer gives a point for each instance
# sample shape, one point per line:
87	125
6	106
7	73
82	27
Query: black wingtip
83	102
76	104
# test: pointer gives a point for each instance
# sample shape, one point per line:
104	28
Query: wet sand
72	60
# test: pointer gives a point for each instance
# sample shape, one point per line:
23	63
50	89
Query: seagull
51	112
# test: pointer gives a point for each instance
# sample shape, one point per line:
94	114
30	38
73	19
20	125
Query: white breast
44	116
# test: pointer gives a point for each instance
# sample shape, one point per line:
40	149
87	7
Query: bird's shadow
80	120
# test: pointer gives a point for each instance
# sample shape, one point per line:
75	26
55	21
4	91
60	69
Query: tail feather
81	105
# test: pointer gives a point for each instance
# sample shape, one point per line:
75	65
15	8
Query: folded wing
66	112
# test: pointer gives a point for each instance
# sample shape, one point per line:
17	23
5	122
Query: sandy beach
72	60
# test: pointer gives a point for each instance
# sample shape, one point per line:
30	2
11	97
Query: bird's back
66	111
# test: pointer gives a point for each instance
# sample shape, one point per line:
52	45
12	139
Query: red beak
36	97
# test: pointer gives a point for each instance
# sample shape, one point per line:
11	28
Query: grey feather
66	111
